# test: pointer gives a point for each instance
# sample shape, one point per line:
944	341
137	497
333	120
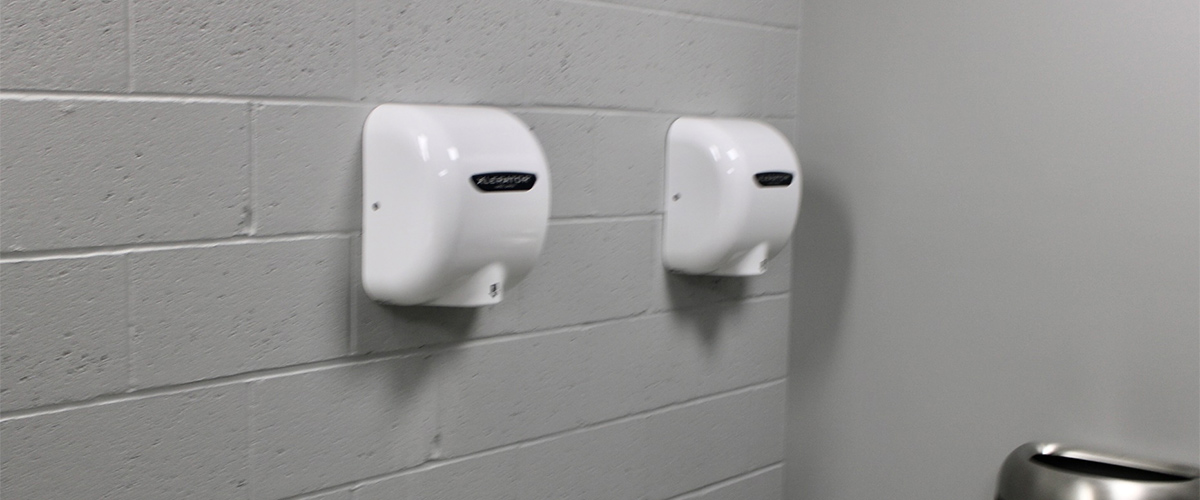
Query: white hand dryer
455	204
732	198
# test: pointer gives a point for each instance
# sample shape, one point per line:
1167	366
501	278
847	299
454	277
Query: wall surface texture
998	242
181	312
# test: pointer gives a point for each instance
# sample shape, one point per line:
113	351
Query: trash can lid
1054	471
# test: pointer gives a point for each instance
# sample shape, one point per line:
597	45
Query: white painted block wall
179	303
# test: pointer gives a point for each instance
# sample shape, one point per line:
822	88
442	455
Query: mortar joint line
252	167
352	298
356	359
688	16
524	443
225	381
709	488
601	219
123	249
250	437
268	100
316	366
130	328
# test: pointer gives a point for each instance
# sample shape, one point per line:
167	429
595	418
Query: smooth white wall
998	242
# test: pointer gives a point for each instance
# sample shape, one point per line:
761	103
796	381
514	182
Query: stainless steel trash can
1052	471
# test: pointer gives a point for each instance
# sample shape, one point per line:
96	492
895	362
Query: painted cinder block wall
179	223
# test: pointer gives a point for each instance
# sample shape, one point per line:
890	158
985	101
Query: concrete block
181	446
64	332
491	476
509	391
591	271
379	328
645	363
588	271
320	429
783	13
504	393
308	168
603	462
199	313
709	350
457	51
765	485
623	368
600	57
512	391
630	59
703	443
603	164
709	68
633	150
243	47
88	173
778	73
778	277
63	45
519	389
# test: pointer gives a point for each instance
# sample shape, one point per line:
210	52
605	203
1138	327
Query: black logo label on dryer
504	181
773	179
